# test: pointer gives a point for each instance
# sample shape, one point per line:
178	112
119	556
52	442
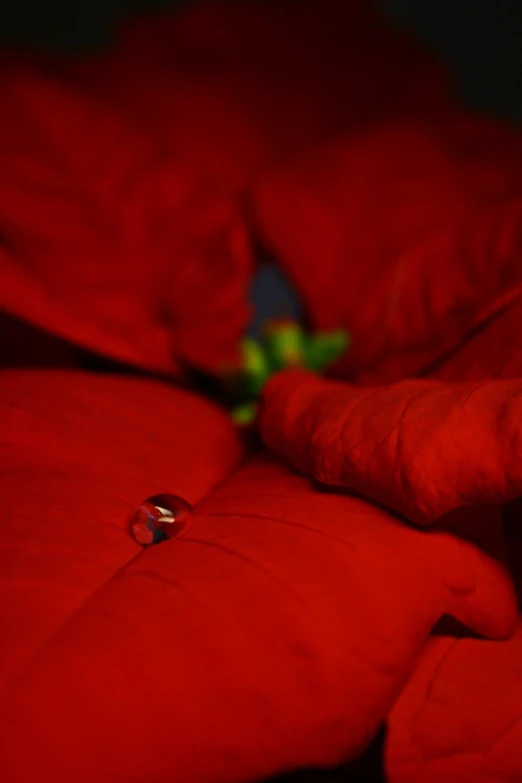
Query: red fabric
262	635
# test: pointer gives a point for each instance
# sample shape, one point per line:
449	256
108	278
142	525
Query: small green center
284	344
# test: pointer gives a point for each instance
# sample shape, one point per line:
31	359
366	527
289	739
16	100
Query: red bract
407	236
236	88
459	717
275	633
292	616
421	448
110	239
493	351
119	218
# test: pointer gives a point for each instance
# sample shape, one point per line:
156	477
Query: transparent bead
160	517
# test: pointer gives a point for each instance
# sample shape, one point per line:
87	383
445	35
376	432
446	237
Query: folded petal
459	718
273	634
421	448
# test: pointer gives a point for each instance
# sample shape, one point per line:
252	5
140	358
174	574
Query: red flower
296	612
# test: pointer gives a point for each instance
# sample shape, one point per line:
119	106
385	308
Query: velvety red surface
119	214
237	87
458	718
408	236
111	239
296	613
258	641
422	448
459	715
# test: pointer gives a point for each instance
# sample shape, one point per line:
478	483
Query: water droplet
160	517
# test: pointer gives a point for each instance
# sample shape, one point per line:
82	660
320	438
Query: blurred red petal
236	87
407	236
111	240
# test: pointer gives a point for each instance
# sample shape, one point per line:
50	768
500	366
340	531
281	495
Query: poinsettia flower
293	616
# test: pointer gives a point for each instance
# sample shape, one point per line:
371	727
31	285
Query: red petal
236	87
81	452
113	234
494	351
276	632
459	717
421	448
109	239
408	236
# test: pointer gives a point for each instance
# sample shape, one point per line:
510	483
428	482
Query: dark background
481	40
